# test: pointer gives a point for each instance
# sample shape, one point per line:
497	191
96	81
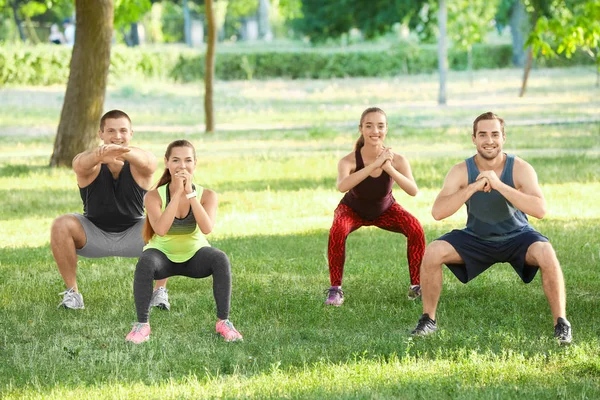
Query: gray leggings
154	265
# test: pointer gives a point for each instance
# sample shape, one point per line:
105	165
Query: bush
49	64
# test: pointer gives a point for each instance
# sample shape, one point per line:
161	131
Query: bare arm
143	164
456	191
348	177
161	221
87	164
400	171
205	210
527	195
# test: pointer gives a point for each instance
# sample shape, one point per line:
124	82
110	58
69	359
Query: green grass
276	185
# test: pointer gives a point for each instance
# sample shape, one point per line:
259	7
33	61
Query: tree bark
209	75
187	24
526	71
529	62
86	88
14	6
442	51
264	24
518	30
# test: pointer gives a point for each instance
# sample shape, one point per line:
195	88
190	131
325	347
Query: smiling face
489	138
373	128
116	131
181	158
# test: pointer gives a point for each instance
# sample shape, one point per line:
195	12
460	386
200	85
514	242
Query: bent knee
221	261
441	252
541	254
65	226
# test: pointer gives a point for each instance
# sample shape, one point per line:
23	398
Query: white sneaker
71	299
160	299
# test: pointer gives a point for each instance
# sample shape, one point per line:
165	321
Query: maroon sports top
373	196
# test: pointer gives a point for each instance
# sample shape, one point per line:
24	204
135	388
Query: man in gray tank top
499	190
113	179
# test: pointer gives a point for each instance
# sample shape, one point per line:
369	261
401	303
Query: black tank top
113	205
373	196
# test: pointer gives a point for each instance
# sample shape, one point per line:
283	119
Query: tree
468	23
567	31
536	9
442	51
84	98
209	76
126	15
322	20
264	24
513	13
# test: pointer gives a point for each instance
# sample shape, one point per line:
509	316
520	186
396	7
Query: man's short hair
113	114
486	116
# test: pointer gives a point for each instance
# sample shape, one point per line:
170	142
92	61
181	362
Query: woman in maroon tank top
367	175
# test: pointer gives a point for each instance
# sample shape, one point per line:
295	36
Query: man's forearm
86	161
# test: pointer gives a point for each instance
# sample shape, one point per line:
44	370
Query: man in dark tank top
499	190
113	179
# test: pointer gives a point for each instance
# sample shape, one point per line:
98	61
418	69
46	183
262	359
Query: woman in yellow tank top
178	215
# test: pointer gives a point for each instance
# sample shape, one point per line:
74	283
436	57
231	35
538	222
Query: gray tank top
489	215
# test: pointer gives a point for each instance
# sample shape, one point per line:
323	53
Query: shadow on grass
277	303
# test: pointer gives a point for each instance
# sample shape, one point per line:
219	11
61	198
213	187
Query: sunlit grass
274	168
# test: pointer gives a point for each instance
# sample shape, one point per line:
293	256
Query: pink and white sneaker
226	329
140	333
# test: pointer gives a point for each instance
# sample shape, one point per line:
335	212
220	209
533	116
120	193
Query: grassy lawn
273	164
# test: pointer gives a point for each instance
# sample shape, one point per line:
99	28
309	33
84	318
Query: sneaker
335	296
414	292
226	329
71	299
562	331
160	299
140	333
426	326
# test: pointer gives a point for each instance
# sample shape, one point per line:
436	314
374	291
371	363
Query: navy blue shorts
479	254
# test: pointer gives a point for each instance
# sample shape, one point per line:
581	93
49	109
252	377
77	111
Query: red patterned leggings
395	219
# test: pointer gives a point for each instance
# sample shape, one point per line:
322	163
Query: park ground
273	163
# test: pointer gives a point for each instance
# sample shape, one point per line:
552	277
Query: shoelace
68	291
137	326
562	330
424	323
230	325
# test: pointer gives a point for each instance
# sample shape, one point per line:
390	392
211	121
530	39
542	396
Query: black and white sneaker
562	331
426	326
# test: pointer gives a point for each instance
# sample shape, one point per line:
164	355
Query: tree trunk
32	33
442	51
529	62
518	30
470	64
14	7
209	75
526	71
134	34
187	24
84	98
264	24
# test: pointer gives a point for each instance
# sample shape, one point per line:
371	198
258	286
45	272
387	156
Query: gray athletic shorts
128	243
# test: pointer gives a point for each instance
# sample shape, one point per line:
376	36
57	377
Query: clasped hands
486	181
112	154
181	181
385	158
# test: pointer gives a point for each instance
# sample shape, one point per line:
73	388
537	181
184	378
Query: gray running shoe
71	299
414	292
160	299
562	331
426	326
